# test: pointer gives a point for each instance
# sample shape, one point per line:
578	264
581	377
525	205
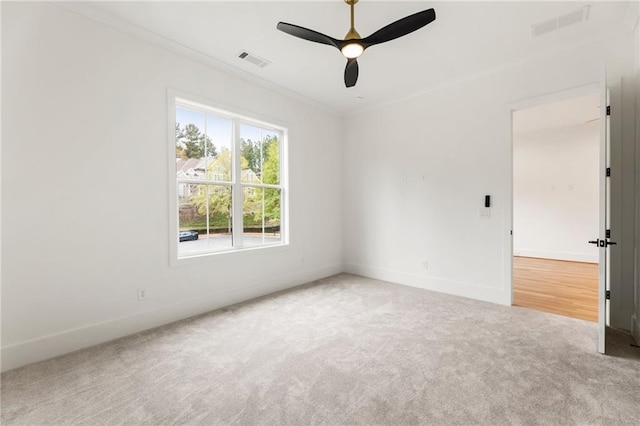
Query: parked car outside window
188	235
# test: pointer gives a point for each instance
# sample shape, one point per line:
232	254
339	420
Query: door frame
584	90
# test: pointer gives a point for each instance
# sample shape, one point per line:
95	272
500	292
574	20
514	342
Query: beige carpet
344	350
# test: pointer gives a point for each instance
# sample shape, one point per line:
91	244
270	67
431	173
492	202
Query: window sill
221	255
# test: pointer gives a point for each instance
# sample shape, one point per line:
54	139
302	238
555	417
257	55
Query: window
229	188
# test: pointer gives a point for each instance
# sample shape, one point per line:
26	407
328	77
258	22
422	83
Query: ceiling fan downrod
352	34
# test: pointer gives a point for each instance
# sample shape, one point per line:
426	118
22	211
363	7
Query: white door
603	240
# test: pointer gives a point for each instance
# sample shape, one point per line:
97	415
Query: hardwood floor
556	286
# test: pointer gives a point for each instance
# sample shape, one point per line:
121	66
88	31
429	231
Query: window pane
219	162
220	217
205	219
271	165
260	155
261	216
191	144
191	221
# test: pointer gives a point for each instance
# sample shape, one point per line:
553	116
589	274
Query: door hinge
608	109
608	294
608	233
608	171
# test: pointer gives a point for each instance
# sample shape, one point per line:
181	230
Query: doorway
556	157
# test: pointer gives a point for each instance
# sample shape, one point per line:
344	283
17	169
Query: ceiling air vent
254	59
545	27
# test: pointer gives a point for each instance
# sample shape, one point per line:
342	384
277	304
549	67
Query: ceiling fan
353	45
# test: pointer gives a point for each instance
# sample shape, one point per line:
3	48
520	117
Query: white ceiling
579	111
466	38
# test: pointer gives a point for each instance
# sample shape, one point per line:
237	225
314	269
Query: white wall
555	192
458	136
85	187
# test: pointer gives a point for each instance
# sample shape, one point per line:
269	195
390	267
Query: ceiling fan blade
351	72
307	34
401	27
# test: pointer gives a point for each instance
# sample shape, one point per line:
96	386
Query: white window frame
175	99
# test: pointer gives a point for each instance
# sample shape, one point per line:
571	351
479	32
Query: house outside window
228	181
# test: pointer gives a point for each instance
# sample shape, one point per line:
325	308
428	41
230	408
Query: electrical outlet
485	213
142	294
425	264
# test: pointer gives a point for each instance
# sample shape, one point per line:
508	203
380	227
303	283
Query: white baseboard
54	345
468	290
635	328
573	257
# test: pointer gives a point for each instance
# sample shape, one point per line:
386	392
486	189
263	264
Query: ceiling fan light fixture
352	50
